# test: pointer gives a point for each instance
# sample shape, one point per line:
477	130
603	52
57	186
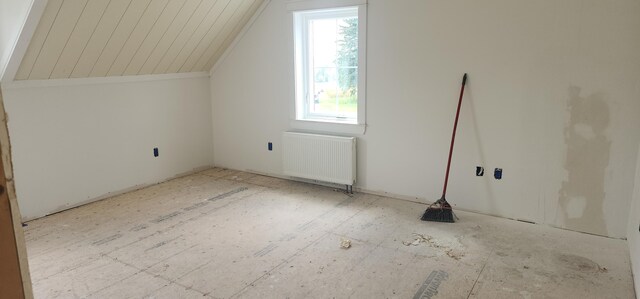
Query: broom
441	210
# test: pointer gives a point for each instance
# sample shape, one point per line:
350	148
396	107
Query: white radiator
319	157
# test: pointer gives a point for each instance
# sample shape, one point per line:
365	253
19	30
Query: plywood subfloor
222	233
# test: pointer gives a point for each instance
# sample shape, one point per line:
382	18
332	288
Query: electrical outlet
479	171
270	146
155	152
497	173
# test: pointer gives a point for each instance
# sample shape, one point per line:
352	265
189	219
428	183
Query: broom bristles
439	211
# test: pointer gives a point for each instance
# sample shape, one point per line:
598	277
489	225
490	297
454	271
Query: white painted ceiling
98	38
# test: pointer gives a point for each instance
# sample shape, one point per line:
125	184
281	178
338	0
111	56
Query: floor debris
216	250
419	239
345	244
456	255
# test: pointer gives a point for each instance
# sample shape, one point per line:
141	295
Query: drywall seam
240	35
100	80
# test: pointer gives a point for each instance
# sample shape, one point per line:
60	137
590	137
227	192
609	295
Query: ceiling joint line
161	37
176	38
110	37
90	37
220	32
45	40
66	43
209	30
129	37
213	58
146	36
191	35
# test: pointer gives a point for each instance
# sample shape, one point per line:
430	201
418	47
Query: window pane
333	59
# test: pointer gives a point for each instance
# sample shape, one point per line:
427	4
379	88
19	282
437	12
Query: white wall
633	235
74	144
552	99
12	17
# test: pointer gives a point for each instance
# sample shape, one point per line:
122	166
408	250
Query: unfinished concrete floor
222	233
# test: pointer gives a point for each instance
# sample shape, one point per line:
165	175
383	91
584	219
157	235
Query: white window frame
300	119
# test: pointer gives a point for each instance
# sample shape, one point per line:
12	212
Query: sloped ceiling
98	38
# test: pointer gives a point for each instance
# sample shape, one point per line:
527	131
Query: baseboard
414	199
119	192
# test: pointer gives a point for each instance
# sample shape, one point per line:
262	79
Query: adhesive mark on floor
287	237
306	226
312	223
578	263
232	192
107	239
345	202
266	250
366	225
284	261
196	206
138	227
165	242
165	217
430	286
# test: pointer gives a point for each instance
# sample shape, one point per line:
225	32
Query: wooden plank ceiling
98	38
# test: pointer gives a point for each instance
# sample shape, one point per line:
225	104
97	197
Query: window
329	64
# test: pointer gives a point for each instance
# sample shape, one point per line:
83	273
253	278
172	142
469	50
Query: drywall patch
575	206
582	195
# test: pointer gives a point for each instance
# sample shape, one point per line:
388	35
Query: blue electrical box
497	173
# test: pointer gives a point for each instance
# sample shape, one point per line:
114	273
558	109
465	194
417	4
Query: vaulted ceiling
98	38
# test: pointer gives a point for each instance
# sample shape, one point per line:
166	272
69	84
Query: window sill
328	127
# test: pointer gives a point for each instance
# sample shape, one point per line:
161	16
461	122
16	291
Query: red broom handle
453	136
